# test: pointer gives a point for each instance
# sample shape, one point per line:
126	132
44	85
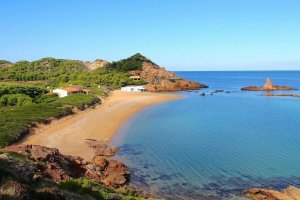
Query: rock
58	167
291	193
93	171
269	86
95	64
115	180
160	80
101	149
202	94
101	162
14	190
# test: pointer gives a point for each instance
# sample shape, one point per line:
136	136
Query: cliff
160	80
269	86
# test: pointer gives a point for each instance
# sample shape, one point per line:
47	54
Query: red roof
73	88
136	71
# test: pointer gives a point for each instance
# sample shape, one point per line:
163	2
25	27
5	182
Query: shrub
31	91
15	100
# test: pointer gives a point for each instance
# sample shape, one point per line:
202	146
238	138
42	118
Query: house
72	89
135	72
134	89
135	78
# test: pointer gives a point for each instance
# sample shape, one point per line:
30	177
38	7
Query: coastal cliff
269	86
160	80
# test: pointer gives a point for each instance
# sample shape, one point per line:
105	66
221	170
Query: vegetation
96	190
56	72
15	100
21	106
24	87
20	89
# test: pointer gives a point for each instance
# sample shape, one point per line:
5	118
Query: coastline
69	135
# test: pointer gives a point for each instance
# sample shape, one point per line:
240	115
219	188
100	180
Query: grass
16	121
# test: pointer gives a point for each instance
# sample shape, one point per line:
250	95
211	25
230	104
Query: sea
216	146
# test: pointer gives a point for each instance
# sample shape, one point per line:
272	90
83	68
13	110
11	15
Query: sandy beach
101	123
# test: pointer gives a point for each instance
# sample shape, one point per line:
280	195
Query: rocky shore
269	86
60	167
290	193
33	171
161	80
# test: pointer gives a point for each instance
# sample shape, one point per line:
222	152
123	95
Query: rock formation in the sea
290	193
92	65
59	167
269	86
160	80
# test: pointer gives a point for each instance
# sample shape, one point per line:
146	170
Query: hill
55	72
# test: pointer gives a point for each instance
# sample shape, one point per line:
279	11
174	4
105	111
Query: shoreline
69	134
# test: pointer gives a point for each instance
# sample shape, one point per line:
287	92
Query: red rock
100	161
160	80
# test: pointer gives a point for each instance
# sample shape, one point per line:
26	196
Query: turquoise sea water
217	145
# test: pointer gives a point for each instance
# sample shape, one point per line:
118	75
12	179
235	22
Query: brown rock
291	193
101	162
269	86
115	180
160	80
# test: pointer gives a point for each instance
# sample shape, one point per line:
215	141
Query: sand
101	123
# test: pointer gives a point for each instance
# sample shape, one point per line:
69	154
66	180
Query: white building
134	89
72	89
61	92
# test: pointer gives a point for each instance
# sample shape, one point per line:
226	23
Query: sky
177	34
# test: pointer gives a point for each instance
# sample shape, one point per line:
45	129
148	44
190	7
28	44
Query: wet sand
101	123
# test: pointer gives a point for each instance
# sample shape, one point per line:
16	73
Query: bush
30	91
15	100
47	98
80	101
96	189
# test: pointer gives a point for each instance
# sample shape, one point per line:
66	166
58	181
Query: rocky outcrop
59	167
92	65
290	193
160	80
100	148
269	86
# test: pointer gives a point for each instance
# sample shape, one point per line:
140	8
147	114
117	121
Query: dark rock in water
217	91
202	94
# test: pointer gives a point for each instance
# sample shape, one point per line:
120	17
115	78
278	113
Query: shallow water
217	145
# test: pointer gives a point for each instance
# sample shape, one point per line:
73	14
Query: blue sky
177	34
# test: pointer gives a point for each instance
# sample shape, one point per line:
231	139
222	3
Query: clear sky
177	34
